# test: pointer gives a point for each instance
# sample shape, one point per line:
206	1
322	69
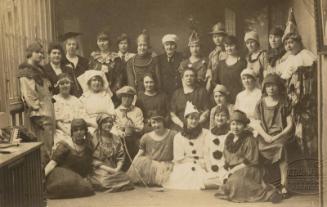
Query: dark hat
78	123
218	28
240	116
68	35
126	90
272	78
101	117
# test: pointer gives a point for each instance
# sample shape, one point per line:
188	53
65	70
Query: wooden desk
21	177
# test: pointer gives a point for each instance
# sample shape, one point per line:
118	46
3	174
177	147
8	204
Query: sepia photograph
155	103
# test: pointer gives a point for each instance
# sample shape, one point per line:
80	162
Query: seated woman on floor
67	107
190	155
245	182
108	158
153	163
70	164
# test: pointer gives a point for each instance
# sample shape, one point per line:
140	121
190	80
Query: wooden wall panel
21	22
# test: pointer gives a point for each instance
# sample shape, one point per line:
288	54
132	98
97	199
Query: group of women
162	120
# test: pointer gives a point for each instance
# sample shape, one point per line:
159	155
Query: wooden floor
142	197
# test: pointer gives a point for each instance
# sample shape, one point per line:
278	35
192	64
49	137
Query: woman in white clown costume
191	153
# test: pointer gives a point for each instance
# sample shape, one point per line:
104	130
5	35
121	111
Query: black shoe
276	198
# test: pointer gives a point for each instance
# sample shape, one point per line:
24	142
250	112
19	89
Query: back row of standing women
162	86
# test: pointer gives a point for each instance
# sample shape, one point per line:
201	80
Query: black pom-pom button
216	141
217	154
214	168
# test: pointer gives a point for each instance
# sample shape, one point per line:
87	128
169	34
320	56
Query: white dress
246	102
95	104
66	109
190	162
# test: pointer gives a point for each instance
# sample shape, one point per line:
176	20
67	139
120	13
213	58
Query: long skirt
246	185
151	172
65	183
104	181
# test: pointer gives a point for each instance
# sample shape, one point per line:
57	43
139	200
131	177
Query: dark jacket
169	75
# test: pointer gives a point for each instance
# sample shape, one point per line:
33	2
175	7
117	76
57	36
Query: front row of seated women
224	158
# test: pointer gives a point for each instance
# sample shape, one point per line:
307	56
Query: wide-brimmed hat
69	35
251	35
275	79
170	38
126	90
190	109
88	75
221	89
239	116
218	28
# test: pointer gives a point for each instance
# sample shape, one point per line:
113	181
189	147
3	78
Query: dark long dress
109	154
230	77
245	184
67	179
273	121
150	104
